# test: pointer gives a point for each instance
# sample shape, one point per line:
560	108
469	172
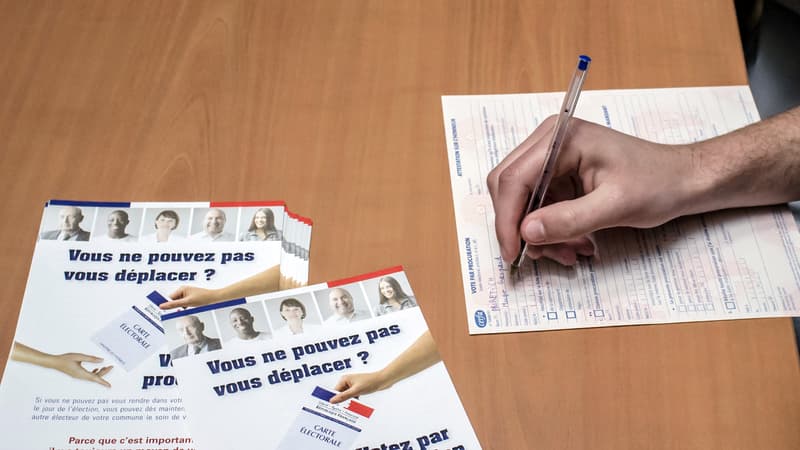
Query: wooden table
334	106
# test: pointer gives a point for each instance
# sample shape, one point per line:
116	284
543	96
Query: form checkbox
730	305
682	308
690	307
571	315
599	313
552	315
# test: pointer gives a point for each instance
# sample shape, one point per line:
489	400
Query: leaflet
90	295
733	264
247	370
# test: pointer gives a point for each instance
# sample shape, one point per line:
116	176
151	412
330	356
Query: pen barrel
574	89
559	133
539	192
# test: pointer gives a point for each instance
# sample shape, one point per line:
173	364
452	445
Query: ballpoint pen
559	132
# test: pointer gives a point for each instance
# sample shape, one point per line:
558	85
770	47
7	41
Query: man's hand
603	179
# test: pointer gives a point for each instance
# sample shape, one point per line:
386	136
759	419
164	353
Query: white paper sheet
725	265
255	394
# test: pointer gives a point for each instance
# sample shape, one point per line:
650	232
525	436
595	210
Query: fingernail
534	232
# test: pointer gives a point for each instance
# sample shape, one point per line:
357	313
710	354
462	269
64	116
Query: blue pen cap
583	62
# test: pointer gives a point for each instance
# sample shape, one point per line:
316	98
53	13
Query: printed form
731	264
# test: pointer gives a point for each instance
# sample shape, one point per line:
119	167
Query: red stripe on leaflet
360	409
366	276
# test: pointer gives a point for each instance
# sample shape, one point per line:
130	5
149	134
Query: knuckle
508	176
492	175
493	179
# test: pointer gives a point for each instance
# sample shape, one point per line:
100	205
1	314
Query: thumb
100	380
571	219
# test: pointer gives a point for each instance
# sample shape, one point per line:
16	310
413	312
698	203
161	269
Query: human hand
190	296
354	384
602	179
70	364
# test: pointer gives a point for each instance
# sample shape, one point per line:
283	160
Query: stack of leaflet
280	225
294	256
98	271
259	355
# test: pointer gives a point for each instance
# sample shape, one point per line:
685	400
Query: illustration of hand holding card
323	425
135	335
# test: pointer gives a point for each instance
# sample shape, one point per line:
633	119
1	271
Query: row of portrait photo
161	225
284	317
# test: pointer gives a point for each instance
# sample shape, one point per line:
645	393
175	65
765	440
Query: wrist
702	179
755	165
688	187
49	361
719	177
384	378
214	296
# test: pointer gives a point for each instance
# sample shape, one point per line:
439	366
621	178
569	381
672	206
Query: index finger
346	394
511	185
172	304
542	129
